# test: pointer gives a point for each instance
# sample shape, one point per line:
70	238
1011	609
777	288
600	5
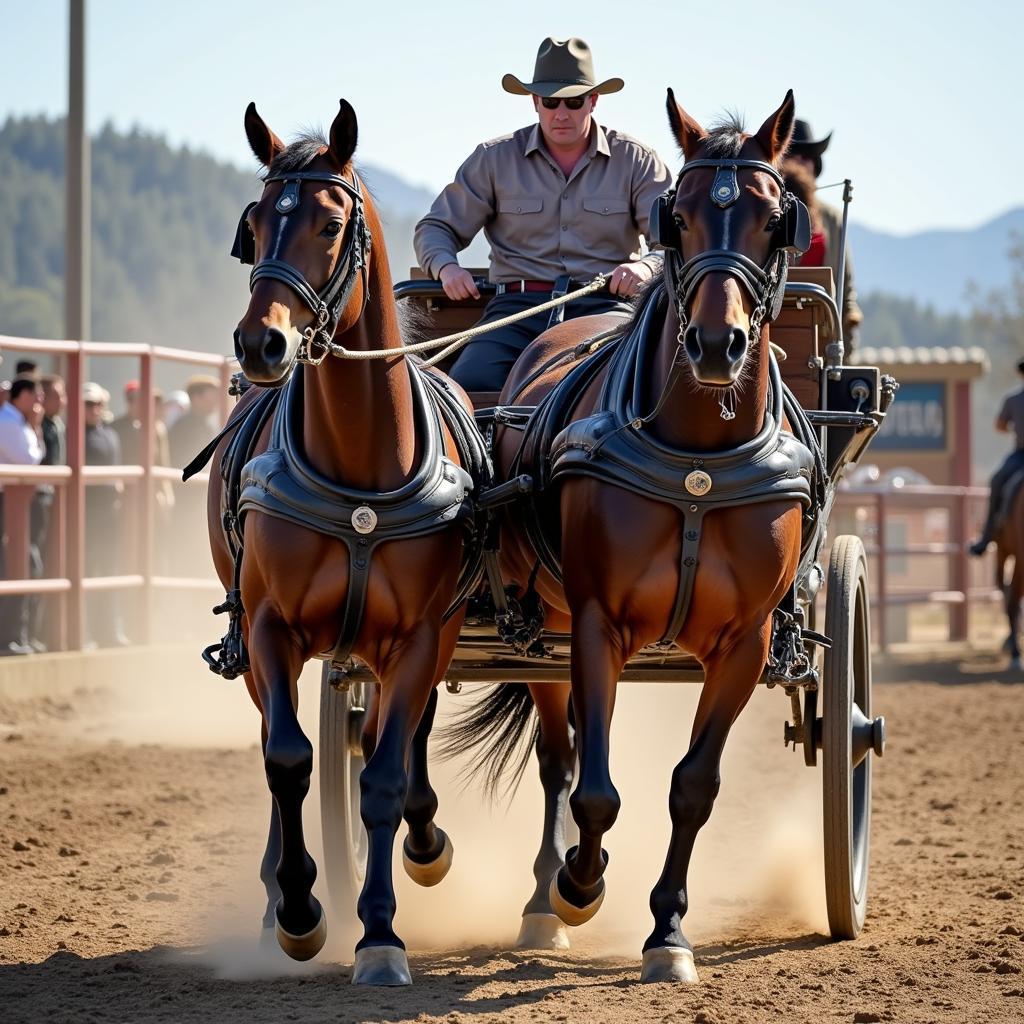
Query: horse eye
774	222
680	223
333	229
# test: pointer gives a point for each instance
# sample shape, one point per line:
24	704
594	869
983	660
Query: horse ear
774	135
263	142
344	134
688	133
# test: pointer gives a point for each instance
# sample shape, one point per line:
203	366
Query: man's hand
458	284
627	279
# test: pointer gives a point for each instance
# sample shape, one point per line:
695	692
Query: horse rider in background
559	201
807	150
1009	420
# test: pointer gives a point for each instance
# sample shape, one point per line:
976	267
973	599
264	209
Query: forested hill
163	220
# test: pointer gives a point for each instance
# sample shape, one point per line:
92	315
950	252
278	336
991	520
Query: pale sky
922	96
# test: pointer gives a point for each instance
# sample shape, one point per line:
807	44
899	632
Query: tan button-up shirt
540	224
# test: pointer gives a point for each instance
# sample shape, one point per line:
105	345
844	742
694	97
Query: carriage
821	656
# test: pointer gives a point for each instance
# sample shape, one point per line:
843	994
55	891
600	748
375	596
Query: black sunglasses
572	102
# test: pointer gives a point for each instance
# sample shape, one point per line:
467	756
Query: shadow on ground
236	986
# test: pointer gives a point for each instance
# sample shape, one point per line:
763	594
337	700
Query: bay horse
702	391
1009	538
321	279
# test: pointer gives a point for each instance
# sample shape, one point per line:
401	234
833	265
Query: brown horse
359	428
707	386
1009	537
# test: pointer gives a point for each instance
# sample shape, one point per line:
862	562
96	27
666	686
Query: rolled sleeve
455	217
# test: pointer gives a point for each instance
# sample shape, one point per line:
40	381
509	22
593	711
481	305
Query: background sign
916	421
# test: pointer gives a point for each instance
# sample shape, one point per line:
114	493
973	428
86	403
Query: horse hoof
542	931
569	912
303	947
432	873
668	963
381	965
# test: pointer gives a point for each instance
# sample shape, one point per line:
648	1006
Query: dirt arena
132	818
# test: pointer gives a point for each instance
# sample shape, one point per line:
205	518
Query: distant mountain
935	268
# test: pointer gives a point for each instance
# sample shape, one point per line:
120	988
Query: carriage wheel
341	761
848	736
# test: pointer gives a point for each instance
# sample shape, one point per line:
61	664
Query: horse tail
495	724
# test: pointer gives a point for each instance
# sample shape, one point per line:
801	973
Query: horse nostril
691	342
239	351
275	346
737	344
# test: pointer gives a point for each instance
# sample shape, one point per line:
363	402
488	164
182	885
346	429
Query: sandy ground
132	821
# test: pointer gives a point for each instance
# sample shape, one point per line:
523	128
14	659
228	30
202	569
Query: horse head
730	222
308	243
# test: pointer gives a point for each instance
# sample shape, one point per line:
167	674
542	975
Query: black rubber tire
846	790
341	761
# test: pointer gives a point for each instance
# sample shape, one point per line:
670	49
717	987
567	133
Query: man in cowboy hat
559	201
806	150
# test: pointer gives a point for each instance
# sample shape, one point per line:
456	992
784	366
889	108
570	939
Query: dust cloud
759	856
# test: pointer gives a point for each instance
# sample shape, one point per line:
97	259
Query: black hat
803	144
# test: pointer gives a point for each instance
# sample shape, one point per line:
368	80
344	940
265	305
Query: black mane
725	138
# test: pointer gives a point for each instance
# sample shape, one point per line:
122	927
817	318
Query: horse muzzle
267	357
716	361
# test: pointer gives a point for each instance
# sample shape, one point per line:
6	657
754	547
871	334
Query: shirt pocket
524	204
606	207
606	228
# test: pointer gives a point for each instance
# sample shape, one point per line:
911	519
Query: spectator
27	368
174	406
19	445
800	181
54	454
197	426
102	519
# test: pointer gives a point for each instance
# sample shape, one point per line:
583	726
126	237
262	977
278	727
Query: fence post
147	495
75	506
959	571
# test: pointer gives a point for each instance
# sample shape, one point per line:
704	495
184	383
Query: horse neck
690	418
359	415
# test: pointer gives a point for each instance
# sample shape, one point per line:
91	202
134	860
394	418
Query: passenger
808	151
800	181
1009	420
559	201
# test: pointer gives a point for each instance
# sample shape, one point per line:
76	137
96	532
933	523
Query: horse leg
405	692
577	888
271	857
427	851
1014	590
288	758
730	680
541	927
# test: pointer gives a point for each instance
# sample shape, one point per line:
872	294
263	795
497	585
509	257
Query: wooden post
75	505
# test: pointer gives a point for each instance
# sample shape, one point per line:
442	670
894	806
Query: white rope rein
453	342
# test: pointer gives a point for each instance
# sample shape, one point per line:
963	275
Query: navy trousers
485	363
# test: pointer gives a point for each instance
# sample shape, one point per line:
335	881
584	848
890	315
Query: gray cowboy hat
563	69
804	144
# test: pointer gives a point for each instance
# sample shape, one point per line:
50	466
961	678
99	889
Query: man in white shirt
20	417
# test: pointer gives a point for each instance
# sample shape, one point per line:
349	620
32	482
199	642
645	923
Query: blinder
244	248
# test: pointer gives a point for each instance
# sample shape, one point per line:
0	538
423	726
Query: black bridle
326	304
765	284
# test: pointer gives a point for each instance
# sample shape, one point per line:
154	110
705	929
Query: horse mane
725	137
299	153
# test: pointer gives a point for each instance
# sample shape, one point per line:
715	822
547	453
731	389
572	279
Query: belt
517	287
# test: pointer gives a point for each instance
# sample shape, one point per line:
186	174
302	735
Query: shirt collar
598	141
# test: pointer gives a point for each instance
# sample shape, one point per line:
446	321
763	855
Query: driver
559	201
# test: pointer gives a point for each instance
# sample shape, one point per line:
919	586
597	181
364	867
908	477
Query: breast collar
326	304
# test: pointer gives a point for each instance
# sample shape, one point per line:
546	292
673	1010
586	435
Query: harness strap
693	525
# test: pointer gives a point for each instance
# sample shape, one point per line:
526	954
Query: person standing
102	519
808	151
559	201
20	417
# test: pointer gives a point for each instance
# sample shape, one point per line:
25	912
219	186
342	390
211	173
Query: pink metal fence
65	555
